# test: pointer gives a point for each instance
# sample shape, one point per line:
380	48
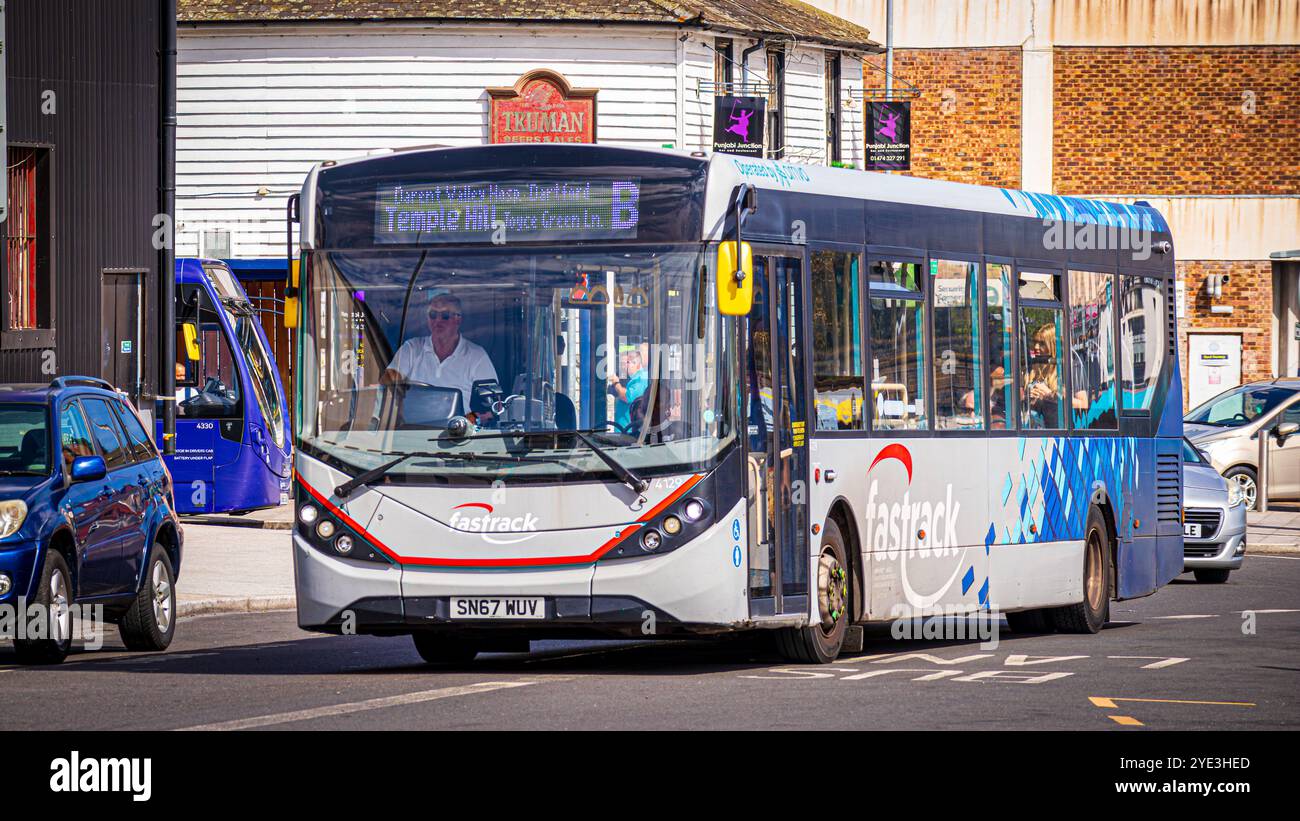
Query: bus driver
444	358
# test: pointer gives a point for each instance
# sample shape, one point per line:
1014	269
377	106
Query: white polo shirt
417	362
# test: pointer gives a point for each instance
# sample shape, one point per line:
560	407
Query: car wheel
1210	575
439	648
150	622
1246	480
54	601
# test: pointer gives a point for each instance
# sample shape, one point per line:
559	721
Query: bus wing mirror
291	297
735	278
192	351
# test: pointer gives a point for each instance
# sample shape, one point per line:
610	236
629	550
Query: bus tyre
820	643
1091	614
1211	575
1030	621
53	599
150	623
438	648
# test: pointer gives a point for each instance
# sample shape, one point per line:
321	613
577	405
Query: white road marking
1266	611
1202	616
1270	556
1164	661
360	706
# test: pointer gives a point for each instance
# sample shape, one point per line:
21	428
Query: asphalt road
1185	658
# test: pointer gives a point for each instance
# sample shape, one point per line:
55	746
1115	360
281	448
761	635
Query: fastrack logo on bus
485	523
891	526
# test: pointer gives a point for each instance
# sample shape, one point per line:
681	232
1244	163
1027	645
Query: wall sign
889	135
542	108
738	125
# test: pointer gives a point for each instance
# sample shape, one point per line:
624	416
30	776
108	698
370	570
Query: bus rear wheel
439	648
1091	614
820	643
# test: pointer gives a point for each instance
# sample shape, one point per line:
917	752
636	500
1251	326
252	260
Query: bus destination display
503	212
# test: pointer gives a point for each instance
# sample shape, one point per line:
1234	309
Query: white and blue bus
549	391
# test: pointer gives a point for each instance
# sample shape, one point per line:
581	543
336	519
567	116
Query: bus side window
898	400
1142	338
1042	386
1002	349
837	342
958	378
1092	351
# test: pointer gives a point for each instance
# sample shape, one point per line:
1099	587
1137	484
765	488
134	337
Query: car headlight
12	515
1235	494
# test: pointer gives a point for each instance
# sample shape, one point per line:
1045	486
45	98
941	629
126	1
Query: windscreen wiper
625	475
345	489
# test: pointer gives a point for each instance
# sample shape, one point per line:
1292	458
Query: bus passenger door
778	454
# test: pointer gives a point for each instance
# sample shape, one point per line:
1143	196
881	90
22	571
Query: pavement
232	566
1191	657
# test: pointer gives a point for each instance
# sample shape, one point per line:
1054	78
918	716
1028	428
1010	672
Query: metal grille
1207	518
1201	551
1169	487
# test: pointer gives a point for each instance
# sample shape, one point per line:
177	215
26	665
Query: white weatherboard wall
258	106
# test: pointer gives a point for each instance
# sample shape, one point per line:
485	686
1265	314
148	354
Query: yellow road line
1127	721
1109	703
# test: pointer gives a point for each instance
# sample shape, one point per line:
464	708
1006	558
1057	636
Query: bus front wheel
437	648
820	643
1091	614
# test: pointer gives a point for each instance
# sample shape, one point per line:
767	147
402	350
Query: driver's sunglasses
444	315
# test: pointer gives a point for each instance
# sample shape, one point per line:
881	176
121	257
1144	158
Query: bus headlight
308	514
672	525
12	515
325	529
693	510
650	540
5	584
343	544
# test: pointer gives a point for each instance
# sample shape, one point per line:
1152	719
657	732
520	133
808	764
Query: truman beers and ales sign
543	108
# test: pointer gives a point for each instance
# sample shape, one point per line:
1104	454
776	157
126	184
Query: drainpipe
889	49
167	207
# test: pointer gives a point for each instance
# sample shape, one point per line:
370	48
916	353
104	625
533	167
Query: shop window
1141	339
1042	338
27	259
897	323
1001	358
1092	351
958	386
837	342
724	65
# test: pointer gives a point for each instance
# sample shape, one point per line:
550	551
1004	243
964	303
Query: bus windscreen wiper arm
344	490
625	475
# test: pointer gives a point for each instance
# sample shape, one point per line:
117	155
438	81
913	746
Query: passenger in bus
626	394
444	358
1042	387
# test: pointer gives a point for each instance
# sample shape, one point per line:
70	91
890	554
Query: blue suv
86	516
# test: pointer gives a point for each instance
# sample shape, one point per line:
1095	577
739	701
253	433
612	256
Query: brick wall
966	123
1177	120
1250	293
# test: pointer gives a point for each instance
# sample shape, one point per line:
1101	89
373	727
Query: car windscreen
1240	406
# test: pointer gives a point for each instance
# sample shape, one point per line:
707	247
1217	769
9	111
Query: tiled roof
779	18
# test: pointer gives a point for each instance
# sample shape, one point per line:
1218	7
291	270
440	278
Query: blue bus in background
233	446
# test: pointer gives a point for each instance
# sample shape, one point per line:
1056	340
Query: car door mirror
88	468
1285	430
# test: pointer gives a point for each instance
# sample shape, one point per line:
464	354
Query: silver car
1214	520
1226	429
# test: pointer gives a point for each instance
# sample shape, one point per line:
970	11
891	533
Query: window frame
1166	290
1111	271
1062	304
881	253
1013	419
978	261
864	316
150	449
74	404
47	274
121	434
